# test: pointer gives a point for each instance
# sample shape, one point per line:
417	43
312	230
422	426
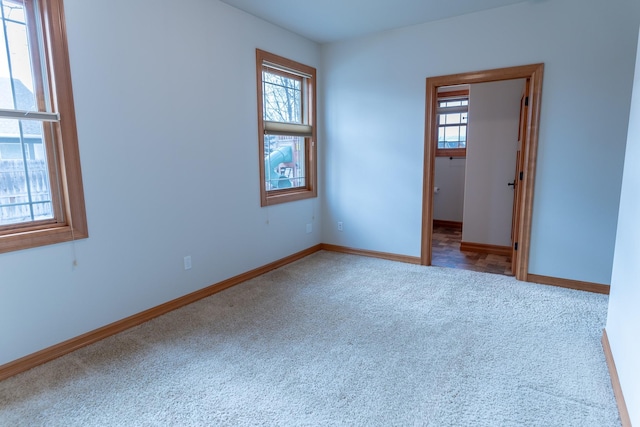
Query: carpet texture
338	339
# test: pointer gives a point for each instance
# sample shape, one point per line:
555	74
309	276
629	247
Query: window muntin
286	121
41	197
452	124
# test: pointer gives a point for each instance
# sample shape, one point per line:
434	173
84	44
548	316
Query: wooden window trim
452	152
310	190
450	94
71	224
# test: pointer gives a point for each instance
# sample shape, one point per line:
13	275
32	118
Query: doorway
527	160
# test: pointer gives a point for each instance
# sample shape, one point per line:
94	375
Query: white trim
29	115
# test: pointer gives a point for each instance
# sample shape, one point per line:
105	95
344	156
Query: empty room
228	212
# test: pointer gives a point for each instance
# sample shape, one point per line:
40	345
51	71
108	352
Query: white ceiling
332	20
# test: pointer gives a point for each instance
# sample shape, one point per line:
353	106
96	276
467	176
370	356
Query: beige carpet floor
334	340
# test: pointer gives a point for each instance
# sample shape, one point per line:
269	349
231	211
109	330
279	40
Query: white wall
623	320
494	113
374	94
165	99
165	95
448	202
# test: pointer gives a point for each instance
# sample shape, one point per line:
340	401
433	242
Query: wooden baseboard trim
449	224
615	381
485	249
32	360
373	254
567	283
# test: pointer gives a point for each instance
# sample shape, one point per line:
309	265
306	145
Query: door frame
533	73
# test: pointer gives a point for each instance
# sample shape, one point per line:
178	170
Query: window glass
452	125
284	162
16	85
282	98
25	188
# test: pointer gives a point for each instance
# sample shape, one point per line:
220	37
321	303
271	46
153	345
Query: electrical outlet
187	262
340	227
309	228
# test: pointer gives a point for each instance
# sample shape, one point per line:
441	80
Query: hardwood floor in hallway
446	253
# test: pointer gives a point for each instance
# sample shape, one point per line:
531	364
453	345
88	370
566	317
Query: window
286	128
452	123
41	196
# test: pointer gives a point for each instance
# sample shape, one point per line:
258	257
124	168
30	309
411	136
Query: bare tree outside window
282	98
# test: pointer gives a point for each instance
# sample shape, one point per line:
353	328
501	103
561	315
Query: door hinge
526	101
521	174
515	246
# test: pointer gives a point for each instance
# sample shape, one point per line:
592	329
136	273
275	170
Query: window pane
453	103
284	162
452	118
452	135
6	98
282	98
25	190
16	77
13	10
452	125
